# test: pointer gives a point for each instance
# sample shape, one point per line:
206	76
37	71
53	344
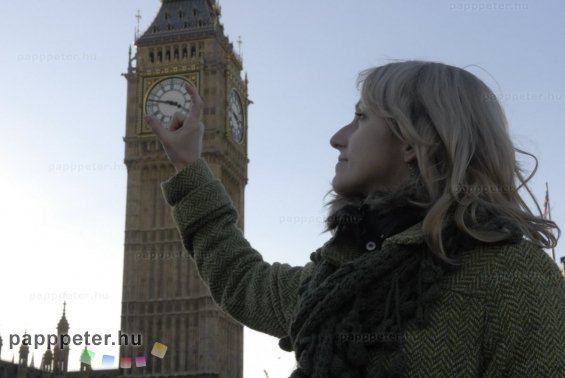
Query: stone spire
178	19
24	352
47	361
63	326
61	355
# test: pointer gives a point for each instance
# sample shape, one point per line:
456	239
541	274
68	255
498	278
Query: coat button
371	246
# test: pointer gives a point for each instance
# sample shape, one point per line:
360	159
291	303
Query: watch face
166	98
235	116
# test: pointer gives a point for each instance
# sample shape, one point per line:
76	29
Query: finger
155	125
197	103
177	121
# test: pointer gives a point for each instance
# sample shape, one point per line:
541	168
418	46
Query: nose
340	138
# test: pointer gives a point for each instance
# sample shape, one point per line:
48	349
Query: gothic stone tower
61	355
163	296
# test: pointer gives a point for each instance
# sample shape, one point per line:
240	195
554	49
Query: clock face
235	116
166	98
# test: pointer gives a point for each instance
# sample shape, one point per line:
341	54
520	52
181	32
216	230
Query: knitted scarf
364	304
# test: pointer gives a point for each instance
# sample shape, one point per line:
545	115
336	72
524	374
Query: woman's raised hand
183	140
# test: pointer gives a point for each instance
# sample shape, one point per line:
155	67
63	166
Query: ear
408	153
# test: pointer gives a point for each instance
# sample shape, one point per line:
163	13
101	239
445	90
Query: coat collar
340	253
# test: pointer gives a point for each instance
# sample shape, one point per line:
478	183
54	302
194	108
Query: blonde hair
465	157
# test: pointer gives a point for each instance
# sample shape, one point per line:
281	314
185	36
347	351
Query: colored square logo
86	356
125	362
140	361
107	360
159	350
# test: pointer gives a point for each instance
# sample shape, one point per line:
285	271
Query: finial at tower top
138	16
239	43
239	52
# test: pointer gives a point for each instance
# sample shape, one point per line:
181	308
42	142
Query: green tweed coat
501	315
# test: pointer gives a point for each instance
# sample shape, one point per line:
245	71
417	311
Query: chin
336	186
343	190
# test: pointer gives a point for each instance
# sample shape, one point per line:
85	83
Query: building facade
163	297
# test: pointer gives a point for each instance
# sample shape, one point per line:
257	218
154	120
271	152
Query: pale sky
62	198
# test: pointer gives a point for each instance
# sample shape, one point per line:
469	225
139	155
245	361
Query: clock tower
163	297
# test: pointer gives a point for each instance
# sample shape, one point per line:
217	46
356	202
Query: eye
360	115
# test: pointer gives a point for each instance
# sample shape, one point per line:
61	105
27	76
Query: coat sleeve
525	328
260	295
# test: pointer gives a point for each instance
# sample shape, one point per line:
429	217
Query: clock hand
236	117
168	103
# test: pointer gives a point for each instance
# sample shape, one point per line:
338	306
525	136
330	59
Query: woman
435	267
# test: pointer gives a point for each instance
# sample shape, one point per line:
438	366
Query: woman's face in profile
371	156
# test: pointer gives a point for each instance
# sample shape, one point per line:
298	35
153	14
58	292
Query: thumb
155	126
